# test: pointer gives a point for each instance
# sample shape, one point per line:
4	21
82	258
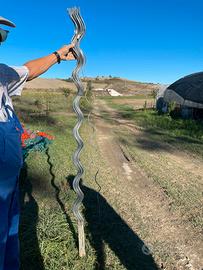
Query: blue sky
143	40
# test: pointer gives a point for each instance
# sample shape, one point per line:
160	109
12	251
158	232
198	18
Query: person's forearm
40	65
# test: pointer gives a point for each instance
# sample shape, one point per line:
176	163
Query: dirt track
141	201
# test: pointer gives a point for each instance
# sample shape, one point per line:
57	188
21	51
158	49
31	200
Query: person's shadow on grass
57	191
105	226
30	255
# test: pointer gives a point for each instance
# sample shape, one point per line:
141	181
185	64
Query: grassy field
48	229
160	131
183	133
133	97
117	224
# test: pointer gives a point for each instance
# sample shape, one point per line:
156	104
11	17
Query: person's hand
66	52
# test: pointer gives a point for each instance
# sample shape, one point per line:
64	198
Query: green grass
44	102
185	133
184	195
48	229
138	96
47	240
158	130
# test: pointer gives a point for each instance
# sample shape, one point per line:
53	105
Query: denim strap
14	118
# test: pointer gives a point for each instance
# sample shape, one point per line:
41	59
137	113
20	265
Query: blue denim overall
11	161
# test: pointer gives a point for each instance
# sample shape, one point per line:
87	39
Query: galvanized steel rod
80	30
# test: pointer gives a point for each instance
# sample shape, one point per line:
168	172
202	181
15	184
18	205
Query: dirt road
153	187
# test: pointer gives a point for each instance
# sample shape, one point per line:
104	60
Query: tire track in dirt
138	193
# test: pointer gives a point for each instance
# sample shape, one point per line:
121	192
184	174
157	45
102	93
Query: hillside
42	83
124	86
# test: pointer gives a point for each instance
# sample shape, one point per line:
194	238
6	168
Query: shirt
12	80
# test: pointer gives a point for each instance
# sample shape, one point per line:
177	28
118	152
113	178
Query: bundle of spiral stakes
80	30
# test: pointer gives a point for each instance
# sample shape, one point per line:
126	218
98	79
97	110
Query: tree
154	93
66	91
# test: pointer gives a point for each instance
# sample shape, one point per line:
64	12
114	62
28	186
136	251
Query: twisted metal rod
80	30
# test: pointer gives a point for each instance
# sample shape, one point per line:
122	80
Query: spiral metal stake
80	30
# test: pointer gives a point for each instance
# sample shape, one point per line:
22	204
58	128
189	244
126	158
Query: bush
171	107
66	91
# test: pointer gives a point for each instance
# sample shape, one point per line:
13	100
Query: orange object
43	134
27	134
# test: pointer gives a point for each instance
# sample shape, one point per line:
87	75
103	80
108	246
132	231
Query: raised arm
41	65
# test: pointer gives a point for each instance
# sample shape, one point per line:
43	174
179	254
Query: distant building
99	89
113	93
186	94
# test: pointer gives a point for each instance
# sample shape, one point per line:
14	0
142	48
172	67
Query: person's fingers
70	46
69	56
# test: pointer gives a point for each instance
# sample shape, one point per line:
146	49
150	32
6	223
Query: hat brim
6	22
